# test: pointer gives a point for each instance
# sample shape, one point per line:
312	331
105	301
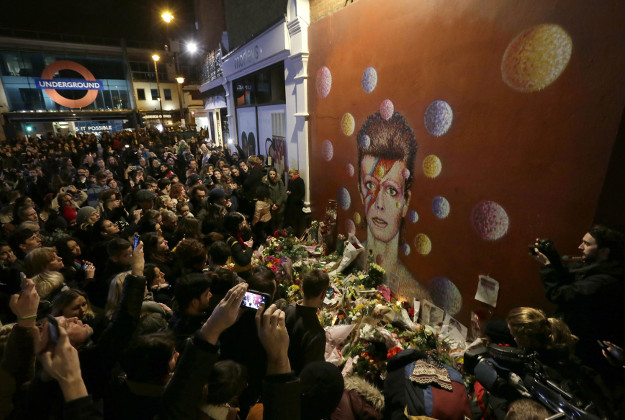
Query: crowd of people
125	260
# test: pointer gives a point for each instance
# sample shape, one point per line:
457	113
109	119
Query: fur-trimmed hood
369	392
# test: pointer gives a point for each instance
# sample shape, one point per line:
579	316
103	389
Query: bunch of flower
375	276
313	232
329	223
274	263
284	244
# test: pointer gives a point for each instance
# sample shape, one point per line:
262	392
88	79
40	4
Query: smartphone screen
22	280
253	300
136	242
53	329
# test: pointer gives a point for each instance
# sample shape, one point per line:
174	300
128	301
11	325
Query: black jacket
590	301
307	339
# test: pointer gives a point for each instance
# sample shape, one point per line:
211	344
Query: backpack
416	385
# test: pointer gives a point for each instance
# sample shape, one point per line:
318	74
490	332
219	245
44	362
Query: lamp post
155	57
180	81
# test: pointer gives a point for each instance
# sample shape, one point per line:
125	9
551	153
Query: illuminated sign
69	84
111	126
50	85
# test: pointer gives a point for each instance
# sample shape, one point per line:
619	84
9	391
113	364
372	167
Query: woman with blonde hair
533	330
42	259
553	345
115	294
48	284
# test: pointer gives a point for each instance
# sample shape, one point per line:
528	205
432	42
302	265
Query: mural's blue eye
370	185
392	191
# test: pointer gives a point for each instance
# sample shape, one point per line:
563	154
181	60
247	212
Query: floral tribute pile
365	324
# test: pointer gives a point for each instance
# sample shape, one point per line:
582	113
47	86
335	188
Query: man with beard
589	294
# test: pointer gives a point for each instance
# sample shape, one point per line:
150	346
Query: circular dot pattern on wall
365	141
327	150
445	294
432	166
490	220
344	199
323	82
413	216
348	124
440	207
350	227
422	244
386	109
405	248
357	218
536	57
438	118
369	79
349	168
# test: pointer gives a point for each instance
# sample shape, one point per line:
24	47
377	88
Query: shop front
48	92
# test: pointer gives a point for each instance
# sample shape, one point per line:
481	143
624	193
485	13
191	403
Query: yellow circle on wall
348	124
422	244
432	166
357	218
536	57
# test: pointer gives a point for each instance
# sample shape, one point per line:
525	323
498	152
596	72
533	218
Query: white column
296	80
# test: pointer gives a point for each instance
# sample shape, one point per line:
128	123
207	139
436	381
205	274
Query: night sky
137	20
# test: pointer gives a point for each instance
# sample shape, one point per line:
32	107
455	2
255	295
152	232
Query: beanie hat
69	213
216	194
83	214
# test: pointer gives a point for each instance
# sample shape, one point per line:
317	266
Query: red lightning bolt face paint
382	186
379	170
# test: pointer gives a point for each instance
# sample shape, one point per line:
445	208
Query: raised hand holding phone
273	335
24	305
61	362
225	314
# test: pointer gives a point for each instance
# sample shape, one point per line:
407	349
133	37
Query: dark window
154	93
141	94
263	87
167	93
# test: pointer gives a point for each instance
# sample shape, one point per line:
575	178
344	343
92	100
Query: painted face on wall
382	189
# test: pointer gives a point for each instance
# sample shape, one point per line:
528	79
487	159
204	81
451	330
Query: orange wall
541	155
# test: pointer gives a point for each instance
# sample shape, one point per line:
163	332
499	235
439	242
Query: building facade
258	89
62	87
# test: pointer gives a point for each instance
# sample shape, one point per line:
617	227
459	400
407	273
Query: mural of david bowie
386	157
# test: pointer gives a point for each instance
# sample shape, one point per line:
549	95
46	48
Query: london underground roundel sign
51	85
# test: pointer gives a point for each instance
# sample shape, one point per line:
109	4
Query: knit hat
216	194
322	389
69	214
83	214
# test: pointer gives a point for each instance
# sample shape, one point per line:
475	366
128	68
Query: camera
506	356
546	247
543	245
253	299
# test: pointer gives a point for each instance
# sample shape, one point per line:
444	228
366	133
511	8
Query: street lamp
191	47
155	57
167	17
180	81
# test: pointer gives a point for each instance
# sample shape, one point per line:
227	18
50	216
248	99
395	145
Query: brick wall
322	8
